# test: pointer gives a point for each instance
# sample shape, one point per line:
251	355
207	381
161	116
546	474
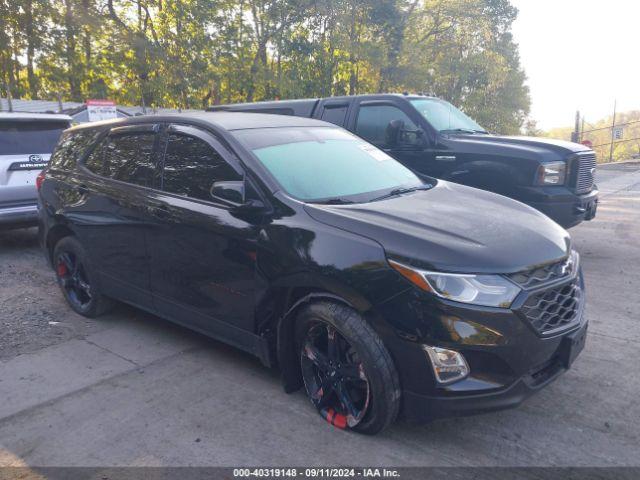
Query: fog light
448	365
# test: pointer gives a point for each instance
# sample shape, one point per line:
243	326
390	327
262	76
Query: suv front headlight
485	290
553	173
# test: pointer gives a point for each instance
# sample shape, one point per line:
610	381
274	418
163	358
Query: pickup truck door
370	120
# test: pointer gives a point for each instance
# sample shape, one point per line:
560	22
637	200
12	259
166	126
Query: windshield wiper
461	130
336	201
401	191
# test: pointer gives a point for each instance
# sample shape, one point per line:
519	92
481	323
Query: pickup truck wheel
347	371
76	279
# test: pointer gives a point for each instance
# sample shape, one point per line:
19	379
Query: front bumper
562	205
509	359
15	216
424	408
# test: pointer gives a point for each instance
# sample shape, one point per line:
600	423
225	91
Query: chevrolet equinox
376	290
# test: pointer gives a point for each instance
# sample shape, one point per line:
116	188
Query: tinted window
321	163
127	157
335	114
443	116
191	166
71	147
373	121
21	138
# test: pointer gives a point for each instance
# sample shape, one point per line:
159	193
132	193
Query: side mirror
250	206
232	191
393	131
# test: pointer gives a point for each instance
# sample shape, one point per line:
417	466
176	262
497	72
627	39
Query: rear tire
348	373
77	280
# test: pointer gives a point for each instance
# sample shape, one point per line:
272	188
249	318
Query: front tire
76	279
348	373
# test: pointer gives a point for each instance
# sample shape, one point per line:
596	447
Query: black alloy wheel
77	280
73	280
334	376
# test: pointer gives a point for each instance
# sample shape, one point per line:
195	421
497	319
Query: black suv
292	239
432	137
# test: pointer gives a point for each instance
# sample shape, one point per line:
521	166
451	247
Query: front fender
487	175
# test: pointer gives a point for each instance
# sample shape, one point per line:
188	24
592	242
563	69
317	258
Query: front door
202	255
372	122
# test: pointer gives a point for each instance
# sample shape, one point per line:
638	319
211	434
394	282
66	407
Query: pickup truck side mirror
393	132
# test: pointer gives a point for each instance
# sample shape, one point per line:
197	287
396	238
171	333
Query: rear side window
127	157
191	166
71	147
24	138
335	114
373	121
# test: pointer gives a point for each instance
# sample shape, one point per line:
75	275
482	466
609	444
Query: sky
579	55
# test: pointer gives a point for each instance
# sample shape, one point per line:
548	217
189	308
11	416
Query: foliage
191	53
599	134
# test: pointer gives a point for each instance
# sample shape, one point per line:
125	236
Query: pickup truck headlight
485	290
553	173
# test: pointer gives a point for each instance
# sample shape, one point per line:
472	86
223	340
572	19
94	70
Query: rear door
111	213
25	148
334	111
202	254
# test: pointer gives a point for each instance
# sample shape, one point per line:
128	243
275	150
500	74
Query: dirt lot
130	389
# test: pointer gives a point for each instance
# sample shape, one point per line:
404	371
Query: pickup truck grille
585	176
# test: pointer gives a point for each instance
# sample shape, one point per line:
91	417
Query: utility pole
613	124
576	128
581	130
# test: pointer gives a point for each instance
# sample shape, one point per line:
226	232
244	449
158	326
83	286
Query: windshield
444	117
322	163
23	138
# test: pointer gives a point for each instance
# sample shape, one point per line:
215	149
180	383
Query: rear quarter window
71	147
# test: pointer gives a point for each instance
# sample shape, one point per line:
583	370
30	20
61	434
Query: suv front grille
585	176
536	277
548	273
554	309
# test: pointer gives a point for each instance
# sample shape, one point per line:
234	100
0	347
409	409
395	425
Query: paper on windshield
374	152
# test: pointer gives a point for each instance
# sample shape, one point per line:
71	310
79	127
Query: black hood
454	228
544	149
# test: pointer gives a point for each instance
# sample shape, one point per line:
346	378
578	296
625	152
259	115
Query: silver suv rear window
26	137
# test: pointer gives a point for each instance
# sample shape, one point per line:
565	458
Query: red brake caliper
334	418
61	270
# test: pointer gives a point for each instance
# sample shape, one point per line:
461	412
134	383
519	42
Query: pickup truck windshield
444	117
323	164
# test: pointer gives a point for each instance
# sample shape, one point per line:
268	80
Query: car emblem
35	158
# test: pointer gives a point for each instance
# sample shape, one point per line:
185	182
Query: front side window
373	121
444	117
29	137
191	166
126	157
321	163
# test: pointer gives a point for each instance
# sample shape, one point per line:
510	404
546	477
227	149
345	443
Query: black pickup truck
433	137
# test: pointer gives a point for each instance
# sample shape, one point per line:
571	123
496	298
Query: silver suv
26	143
